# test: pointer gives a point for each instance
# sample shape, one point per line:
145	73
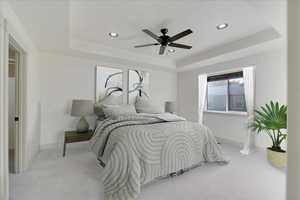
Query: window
225	93
217	95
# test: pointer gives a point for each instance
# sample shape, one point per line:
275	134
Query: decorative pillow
108	100
114	111
144	105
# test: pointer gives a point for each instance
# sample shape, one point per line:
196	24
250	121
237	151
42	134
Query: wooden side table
73	136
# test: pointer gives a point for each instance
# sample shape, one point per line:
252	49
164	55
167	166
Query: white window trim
227	112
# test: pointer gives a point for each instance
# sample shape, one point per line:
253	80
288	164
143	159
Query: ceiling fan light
171	50
222	26
113	34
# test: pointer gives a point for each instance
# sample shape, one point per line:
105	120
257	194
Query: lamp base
82	126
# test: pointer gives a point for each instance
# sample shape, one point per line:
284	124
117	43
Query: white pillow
144	105
114	111
108	100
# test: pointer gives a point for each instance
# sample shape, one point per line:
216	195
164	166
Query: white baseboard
49	146
229	141
219	139
238	144
60	145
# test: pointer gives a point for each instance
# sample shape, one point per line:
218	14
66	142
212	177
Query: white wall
65	78
32	98
4	179
271	84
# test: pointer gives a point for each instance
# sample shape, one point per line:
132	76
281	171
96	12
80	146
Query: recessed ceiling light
171	50
113	34
222	26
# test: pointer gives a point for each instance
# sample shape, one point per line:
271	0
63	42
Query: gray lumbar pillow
108	100
114	111
143	104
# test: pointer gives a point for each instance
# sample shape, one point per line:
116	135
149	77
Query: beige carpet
77	177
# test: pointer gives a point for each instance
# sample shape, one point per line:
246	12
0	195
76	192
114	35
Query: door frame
7	38
4	182
21	85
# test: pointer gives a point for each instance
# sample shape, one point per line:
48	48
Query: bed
135	149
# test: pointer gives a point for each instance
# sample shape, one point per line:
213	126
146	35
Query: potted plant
272	120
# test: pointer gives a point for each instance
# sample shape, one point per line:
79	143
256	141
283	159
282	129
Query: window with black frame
225	93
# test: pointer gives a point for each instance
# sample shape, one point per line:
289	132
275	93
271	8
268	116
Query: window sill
227	113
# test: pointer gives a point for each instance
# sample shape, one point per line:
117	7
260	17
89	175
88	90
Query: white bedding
138	148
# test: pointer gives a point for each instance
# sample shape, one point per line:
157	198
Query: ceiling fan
164	40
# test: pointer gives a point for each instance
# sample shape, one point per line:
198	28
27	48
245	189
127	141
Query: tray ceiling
84	25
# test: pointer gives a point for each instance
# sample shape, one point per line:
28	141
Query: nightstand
73	136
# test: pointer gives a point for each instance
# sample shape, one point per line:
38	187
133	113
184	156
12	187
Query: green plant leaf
271	117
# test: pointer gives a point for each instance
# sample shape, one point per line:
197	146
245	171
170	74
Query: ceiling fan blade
183	46
146	45
180	35
162	50
152	35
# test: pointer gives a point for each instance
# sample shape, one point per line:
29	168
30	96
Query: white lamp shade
170	106
82	107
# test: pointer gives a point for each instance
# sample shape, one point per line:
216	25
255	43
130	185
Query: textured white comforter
138	148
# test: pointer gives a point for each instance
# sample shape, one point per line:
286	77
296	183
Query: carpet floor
78	177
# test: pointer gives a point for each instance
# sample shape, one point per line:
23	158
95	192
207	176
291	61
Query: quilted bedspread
138	148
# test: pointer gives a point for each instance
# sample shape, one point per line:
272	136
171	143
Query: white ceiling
84	25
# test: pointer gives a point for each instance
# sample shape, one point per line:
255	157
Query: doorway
14	91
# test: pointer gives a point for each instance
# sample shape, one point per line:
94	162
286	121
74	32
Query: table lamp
170	106
82	108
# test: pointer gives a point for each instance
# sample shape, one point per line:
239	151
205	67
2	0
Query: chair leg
64	152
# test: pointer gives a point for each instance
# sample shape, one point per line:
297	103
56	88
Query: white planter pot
276	159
